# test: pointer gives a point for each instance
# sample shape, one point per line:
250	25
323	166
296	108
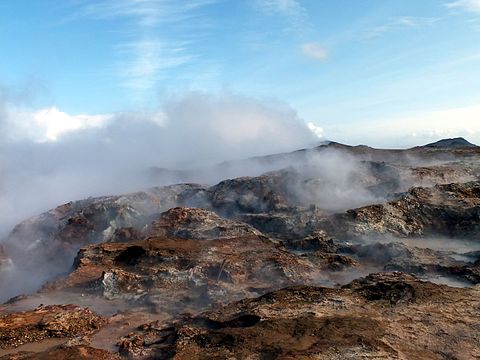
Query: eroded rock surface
65	229
176	273
384	316
451	211
79	352
54	321
192	223
396	256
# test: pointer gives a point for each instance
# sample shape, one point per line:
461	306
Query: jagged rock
260	194
65	229
287	204
396	256
191	223
127	234
382	316
333	262
182	272
54	321
393	288
451	210
451	172
298	223
318	241
80	352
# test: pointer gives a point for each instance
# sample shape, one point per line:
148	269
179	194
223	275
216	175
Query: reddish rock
193	223
54	321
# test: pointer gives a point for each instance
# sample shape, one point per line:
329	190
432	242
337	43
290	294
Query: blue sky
348	67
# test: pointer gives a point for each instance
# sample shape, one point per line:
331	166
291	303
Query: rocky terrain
382	316
334	252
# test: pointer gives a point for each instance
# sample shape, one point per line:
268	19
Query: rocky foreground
388	315
335	252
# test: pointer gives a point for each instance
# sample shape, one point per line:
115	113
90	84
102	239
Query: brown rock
193	223
182	272
391	316
53	321
80	352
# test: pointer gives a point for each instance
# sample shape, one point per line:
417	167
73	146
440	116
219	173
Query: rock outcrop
451	211
54	321
193	223
176	274
385	316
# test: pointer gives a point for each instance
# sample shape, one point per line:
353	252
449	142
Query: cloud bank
48	157
407	130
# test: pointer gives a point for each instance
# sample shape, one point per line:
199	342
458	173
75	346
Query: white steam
48	157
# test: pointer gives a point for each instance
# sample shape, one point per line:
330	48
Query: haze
94	93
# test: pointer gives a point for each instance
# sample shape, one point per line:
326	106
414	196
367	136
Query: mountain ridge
458	142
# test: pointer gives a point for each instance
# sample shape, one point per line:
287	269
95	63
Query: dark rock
451	143
314	242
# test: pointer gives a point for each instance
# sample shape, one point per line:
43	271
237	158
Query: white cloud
144	60
238	126
159	36
412	21
469	5
53	123
146	13
400	23
188	129
317	130
291	7
291	10
48	156
444	123
314	51
417	129
47	124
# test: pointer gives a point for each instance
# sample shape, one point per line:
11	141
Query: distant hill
446	149
451	143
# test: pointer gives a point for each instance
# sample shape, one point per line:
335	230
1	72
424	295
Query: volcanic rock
318	241
451	210
65	229
288	204
170	272
260	194
191	223
54	321
318	216
381	316
451	143
425	262
79	352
